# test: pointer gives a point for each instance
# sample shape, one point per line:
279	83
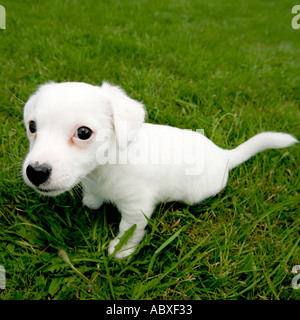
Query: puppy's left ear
128	114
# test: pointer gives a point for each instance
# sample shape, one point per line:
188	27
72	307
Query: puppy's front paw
112	245
92	201
125	251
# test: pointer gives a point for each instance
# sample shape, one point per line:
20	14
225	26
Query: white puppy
96	136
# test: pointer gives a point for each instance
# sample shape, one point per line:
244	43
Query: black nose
37	173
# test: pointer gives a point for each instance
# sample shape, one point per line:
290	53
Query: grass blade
165	244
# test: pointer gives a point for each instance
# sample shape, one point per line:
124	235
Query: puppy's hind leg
130	218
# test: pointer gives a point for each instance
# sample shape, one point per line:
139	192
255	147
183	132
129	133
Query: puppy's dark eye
32	126
83	133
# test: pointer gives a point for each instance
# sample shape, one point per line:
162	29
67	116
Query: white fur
127	162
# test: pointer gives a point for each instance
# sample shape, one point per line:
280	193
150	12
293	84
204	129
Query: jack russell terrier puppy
96	136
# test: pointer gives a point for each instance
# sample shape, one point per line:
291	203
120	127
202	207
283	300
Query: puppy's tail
260	142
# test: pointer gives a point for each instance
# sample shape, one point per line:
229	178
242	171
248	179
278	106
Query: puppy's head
66	123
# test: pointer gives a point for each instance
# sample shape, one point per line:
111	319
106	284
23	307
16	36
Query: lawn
230	68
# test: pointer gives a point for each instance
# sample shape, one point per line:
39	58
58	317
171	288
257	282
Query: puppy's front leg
135	217
91	199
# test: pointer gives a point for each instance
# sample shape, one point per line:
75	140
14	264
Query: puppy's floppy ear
128	114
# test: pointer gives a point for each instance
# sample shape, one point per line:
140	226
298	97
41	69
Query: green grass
228	67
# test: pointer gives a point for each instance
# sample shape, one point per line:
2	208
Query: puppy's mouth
49	191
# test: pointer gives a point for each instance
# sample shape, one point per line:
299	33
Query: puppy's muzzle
38	173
